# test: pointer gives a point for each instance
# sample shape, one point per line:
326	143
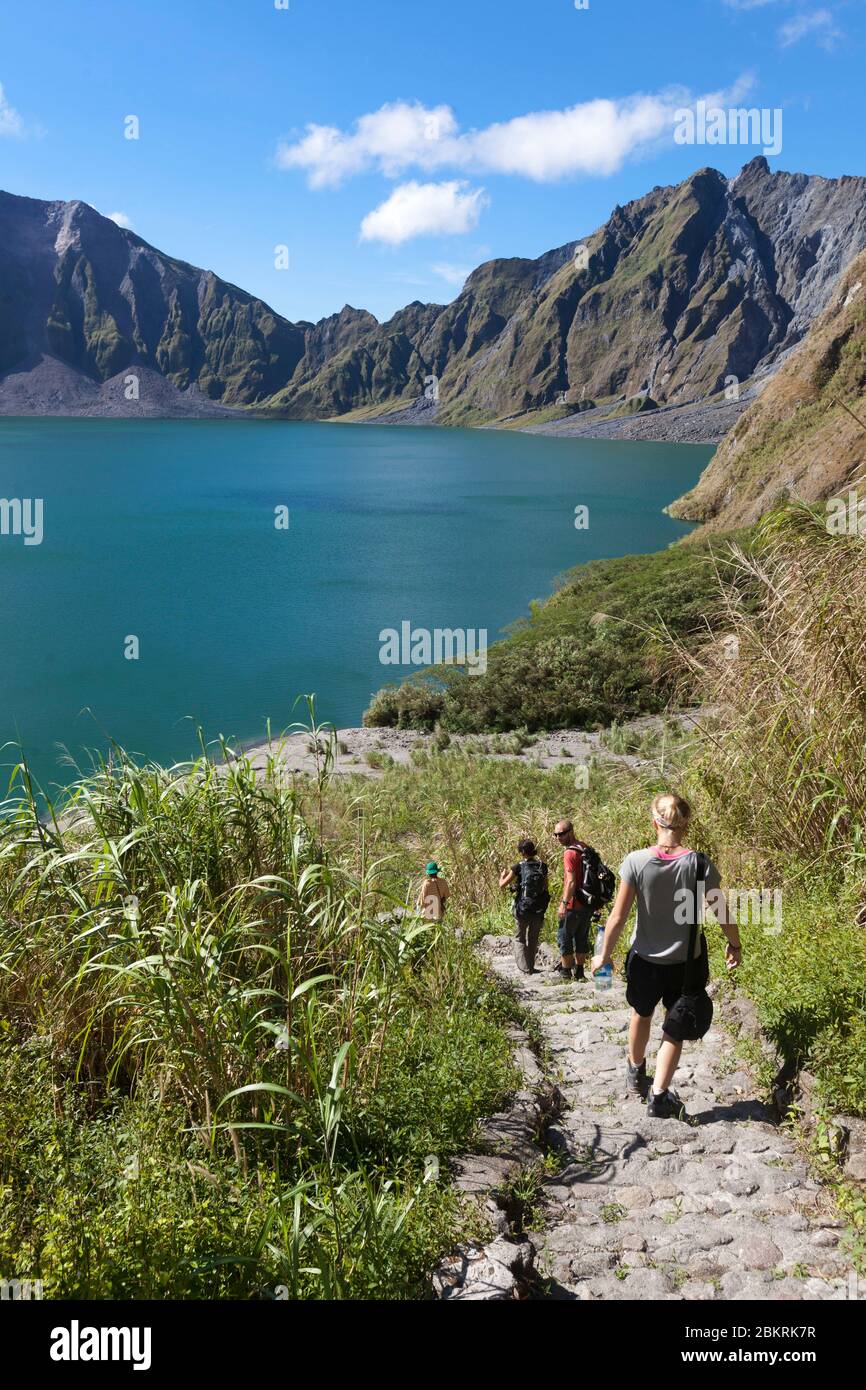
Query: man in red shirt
574	915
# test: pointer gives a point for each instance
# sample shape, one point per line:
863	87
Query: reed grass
196	980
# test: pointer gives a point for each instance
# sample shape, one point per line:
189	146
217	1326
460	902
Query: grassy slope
251	1045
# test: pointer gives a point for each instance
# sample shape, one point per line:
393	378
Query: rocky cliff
805	435
77	290
679	291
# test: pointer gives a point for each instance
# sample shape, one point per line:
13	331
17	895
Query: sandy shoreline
367	752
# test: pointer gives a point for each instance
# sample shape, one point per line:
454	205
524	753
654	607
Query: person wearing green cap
433	894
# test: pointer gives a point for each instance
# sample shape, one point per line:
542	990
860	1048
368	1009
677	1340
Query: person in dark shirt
528	880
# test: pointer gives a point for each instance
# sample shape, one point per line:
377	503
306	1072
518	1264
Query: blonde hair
670	811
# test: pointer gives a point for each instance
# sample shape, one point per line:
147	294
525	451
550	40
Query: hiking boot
636	1079
577	974
563	971
667	1106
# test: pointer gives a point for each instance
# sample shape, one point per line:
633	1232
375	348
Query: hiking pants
573	932
527	930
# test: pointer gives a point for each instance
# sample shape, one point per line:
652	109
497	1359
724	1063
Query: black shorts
649	983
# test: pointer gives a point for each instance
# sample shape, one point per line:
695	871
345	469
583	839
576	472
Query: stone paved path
723	1207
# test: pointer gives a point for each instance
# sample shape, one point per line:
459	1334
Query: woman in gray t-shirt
663	882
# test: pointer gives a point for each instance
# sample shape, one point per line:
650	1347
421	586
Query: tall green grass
225	1058
782	778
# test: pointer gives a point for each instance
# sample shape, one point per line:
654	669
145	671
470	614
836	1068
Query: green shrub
416	704
375	757
595	652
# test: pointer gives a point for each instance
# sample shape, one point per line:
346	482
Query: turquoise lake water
165	531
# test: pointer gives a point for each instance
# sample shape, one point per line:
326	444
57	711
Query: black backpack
691	1016
531	893
599	882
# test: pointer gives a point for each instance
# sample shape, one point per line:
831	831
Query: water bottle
604	977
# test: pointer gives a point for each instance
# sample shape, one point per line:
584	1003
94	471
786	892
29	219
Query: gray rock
741	1187
695	1202
825	1238
757	1252
695	1292
493	1274
702	1266
738	1284
634	1198
643	1284
590	1263
633	1240
666	1190
852	1145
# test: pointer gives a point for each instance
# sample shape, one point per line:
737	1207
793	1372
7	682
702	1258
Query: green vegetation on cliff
593	653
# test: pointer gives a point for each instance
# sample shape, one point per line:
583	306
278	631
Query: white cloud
818	22
390	139
121	219
594	137
452	274
424	209
10	122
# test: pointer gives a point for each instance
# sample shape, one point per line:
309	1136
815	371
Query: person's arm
507	876
569	889
613	926
717	904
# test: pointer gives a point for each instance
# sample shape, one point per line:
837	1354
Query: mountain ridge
678	293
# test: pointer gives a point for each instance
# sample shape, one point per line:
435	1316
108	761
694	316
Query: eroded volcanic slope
805	435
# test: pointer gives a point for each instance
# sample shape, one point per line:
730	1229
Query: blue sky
508	127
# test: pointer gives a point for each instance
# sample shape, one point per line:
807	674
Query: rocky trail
721	1207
